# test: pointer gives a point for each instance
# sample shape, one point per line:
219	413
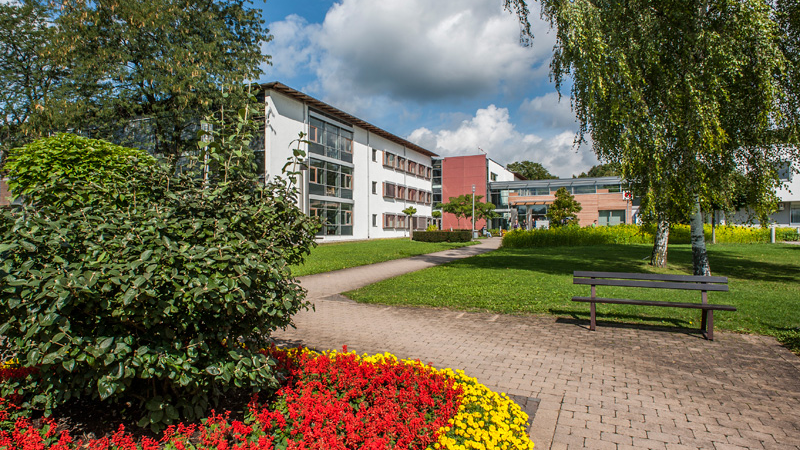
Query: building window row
580	189
401	221
401	192
404	165
330	140
330	179
336	218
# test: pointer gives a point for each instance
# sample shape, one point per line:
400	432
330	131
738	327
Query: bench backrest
651	280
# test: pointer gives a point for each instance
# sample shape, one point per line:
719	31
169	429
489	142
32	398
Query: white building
359	178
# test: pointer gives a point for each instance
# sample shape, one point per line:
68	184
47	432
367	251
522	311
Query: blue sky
449	75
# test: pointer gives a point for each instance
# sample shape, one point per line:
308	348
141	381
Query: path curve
621	387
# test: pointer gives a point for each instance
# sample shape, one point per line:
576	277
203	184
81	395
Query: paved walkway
621	387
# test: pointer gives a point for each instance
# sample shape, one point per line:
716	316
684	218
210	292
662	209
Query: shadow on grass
730	262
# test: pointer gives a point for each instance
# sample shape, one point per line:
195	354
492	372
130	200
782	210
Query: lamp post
473	211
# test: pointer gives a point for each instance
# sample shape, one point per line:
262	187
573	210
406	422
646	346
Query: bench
642	280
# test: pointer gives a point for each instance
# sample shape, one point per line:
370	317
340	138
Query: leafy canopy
564	210
531	170
53	170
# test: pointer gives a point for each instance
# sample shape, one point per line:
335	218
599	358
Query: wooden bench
642	280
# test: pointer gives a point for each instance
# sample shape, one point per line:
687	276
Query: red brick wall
459	173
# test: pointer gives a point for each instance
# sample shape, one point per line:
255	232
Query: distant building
604	201
359	178
457	175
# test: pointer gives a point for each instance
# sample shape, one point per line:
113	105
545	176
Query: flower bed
331	400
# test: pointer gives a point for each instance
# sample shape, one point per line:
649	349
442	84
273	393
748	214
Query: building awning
529	202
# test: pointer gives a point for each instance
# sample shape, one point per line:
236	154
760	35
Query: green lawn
335	256
764	281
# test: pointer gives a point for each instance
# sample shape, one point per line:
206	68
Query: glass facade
795	215
610	217
336	218
329	140
330	179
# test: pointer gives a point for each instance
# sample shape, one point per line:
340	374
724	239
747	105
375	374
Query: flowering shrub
330	400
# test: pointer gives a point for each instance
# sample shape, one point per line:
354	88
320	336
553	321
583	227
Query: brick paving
621	387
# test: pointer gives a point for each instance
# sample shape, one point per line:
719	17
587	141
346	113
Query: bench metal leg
710	332
593	314
703	320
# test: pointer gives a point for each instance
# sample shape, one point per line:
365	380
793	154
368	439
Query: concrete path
621	387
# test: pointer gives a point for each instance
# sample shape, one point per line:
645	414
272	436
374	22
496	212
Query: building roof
343	116
555	182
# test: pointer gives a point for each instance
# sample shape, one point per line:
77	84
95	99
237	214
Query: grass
335	256
764	282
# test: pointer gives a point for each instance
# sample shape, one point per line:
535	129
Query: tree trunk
699	255
659	256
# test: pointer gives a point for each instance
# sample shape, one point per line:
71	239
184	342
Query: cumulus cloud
492	130
293	48
368	55
548	111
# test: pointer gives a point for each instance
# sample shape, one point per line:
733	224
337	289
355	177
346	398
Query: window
375	155
389	190
401	192
388	159
388	221
591	189
412	195
611	187
330	179
336	218
412	167
330	140
795	214
421	170
492	176
374	220
374	187
428	172
610	217
401	163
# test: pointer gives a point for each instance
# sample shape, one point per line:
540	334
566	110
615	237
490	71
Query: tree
163	296
682	98
28	75
531	170
564	210
409	212
135	73
600	170
485	211
460	206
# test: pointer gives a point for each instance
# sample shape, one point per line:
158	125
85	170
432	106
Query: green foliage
410	211
432	227
634	234
564	210
576	236
461	206
531	170
52	170
27	74
443	236
148	300
600	170
135	73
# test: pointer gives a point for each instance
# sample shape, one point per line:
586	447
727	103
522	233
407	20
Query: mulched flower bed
330	400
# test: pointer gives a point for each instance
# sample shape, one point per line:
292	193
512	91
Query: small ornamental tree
55	170
409	212
564	209
163	300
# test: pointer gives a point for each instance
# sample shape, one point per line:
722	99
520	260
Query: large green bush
443	236
53	170
163	301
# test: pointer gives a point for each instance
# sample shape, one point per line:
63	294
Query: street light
473	211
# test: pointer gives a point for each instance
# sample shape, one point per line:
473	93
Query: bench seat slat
649	276
623	301
652	284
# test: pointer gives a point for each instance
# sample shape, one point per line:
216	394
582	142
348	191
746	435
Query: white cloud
547	111
491	130
293	48
369	56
